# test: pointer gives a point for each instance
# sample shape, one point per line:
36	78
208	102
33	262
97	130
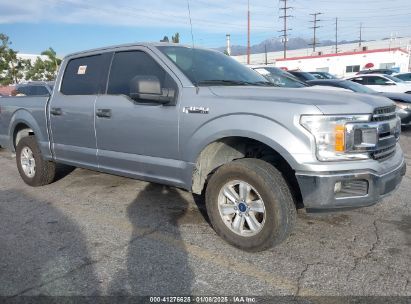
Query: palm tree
52	56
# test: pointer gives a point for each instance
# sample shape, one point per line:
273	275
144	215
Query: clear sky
72	25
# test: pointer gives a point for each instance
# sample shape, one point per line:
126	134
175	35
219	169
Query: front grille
387	136
384	153
384	113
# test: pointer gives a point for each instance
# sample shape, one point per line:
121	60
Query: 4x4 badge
196	110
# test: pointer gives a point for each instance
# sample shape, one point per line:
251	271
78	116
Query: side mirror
148	89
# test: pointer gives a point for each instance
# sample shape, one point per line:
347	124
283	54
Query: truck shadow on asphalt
152	263
42	251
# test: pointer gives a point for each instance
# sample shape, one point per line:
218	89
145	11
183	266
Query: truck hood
328	102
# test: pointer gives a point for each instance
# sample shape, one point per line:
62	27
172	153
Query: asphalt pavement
95	234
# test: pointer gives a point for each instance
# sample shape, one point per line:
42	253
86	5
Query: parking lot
97	234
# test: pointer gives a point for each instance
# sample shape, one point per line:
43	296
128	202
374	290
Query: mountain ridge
274	45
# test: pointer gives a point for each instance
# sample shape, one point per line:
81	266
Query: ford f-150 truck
199	120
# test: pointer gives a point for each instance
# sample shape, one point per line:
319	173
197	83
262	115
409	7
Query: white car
403	76
382	83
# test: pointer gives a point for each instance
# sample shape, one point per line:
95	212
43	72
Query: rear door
137	139
72	113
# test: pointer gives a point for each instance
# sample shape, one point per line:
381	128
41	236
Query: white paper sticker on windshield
82	70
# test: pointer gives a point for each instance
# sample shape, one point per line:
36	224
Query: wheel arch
229	148
23	124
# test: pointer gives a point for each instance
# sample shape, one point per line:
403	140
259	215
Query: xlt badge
196	110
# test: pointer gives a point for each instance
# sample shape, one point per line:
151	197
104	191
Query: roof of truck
146	44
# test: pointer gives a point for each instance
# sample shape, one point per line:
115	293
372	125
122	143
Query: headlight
336	137
403	105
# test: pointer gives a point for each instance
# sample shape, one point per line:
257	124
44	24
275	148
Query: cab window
129	64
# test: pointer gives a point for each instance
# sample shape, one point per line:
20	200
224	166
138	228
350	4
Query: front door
137	139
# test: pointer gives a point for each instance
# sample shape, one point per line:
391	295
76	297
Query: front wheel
33	169
250	205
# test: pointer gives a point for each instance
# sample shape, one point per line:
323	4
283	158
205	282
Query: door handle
56	111
103	113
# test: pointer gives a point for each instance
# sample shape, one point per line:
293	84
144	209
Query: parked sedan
382	83
303	76
35	88
404	76
284	79
376	71
279	77
402	100
323	75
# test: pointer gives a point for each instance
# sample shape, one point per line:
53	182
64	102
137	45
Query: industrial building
350	58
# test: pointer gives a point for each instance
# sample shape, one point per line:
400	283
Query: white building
349	60
349	63
31	57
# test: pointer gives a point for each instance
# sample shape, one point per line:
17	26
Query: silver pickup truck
197	119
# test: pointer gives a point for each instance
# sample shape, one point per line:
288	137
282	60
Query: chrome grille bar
377	137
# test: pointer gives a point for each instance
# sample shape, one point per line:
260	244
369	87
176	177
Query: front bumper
319	194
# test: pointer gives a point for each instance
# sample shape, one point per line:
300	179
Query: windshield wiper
234	82
222	82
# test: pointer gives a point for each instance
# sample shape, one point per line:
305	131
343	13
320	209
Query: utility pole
248	38
360	43
228	47
265	50
285	16
336	35
315	27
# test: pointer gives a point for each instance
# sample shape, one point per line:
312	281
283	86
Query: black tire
279	204
45	171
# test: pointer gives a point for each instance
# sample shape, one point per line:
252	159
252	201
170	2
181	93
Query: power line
285	30
315	27
248	34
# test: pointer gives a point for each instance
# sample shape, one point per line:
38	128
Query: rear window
82	76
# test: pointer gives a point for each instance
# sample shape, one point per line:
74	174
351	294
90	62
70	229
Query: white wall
337	64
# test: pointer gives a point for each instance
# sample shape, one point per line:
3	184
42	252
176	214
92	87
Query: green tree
44	70
51	64
12	68
37	70
176	38
165	39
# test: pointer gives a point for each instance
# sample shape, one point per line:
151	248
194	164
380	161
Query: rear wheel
33	169
250	205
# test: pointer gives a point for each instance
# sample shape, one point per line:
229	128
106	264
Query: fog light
351	188
337	187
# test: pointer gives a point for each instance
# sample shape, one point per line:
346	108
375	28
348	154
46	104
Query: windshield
207	67
359	88
395	79
280	78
